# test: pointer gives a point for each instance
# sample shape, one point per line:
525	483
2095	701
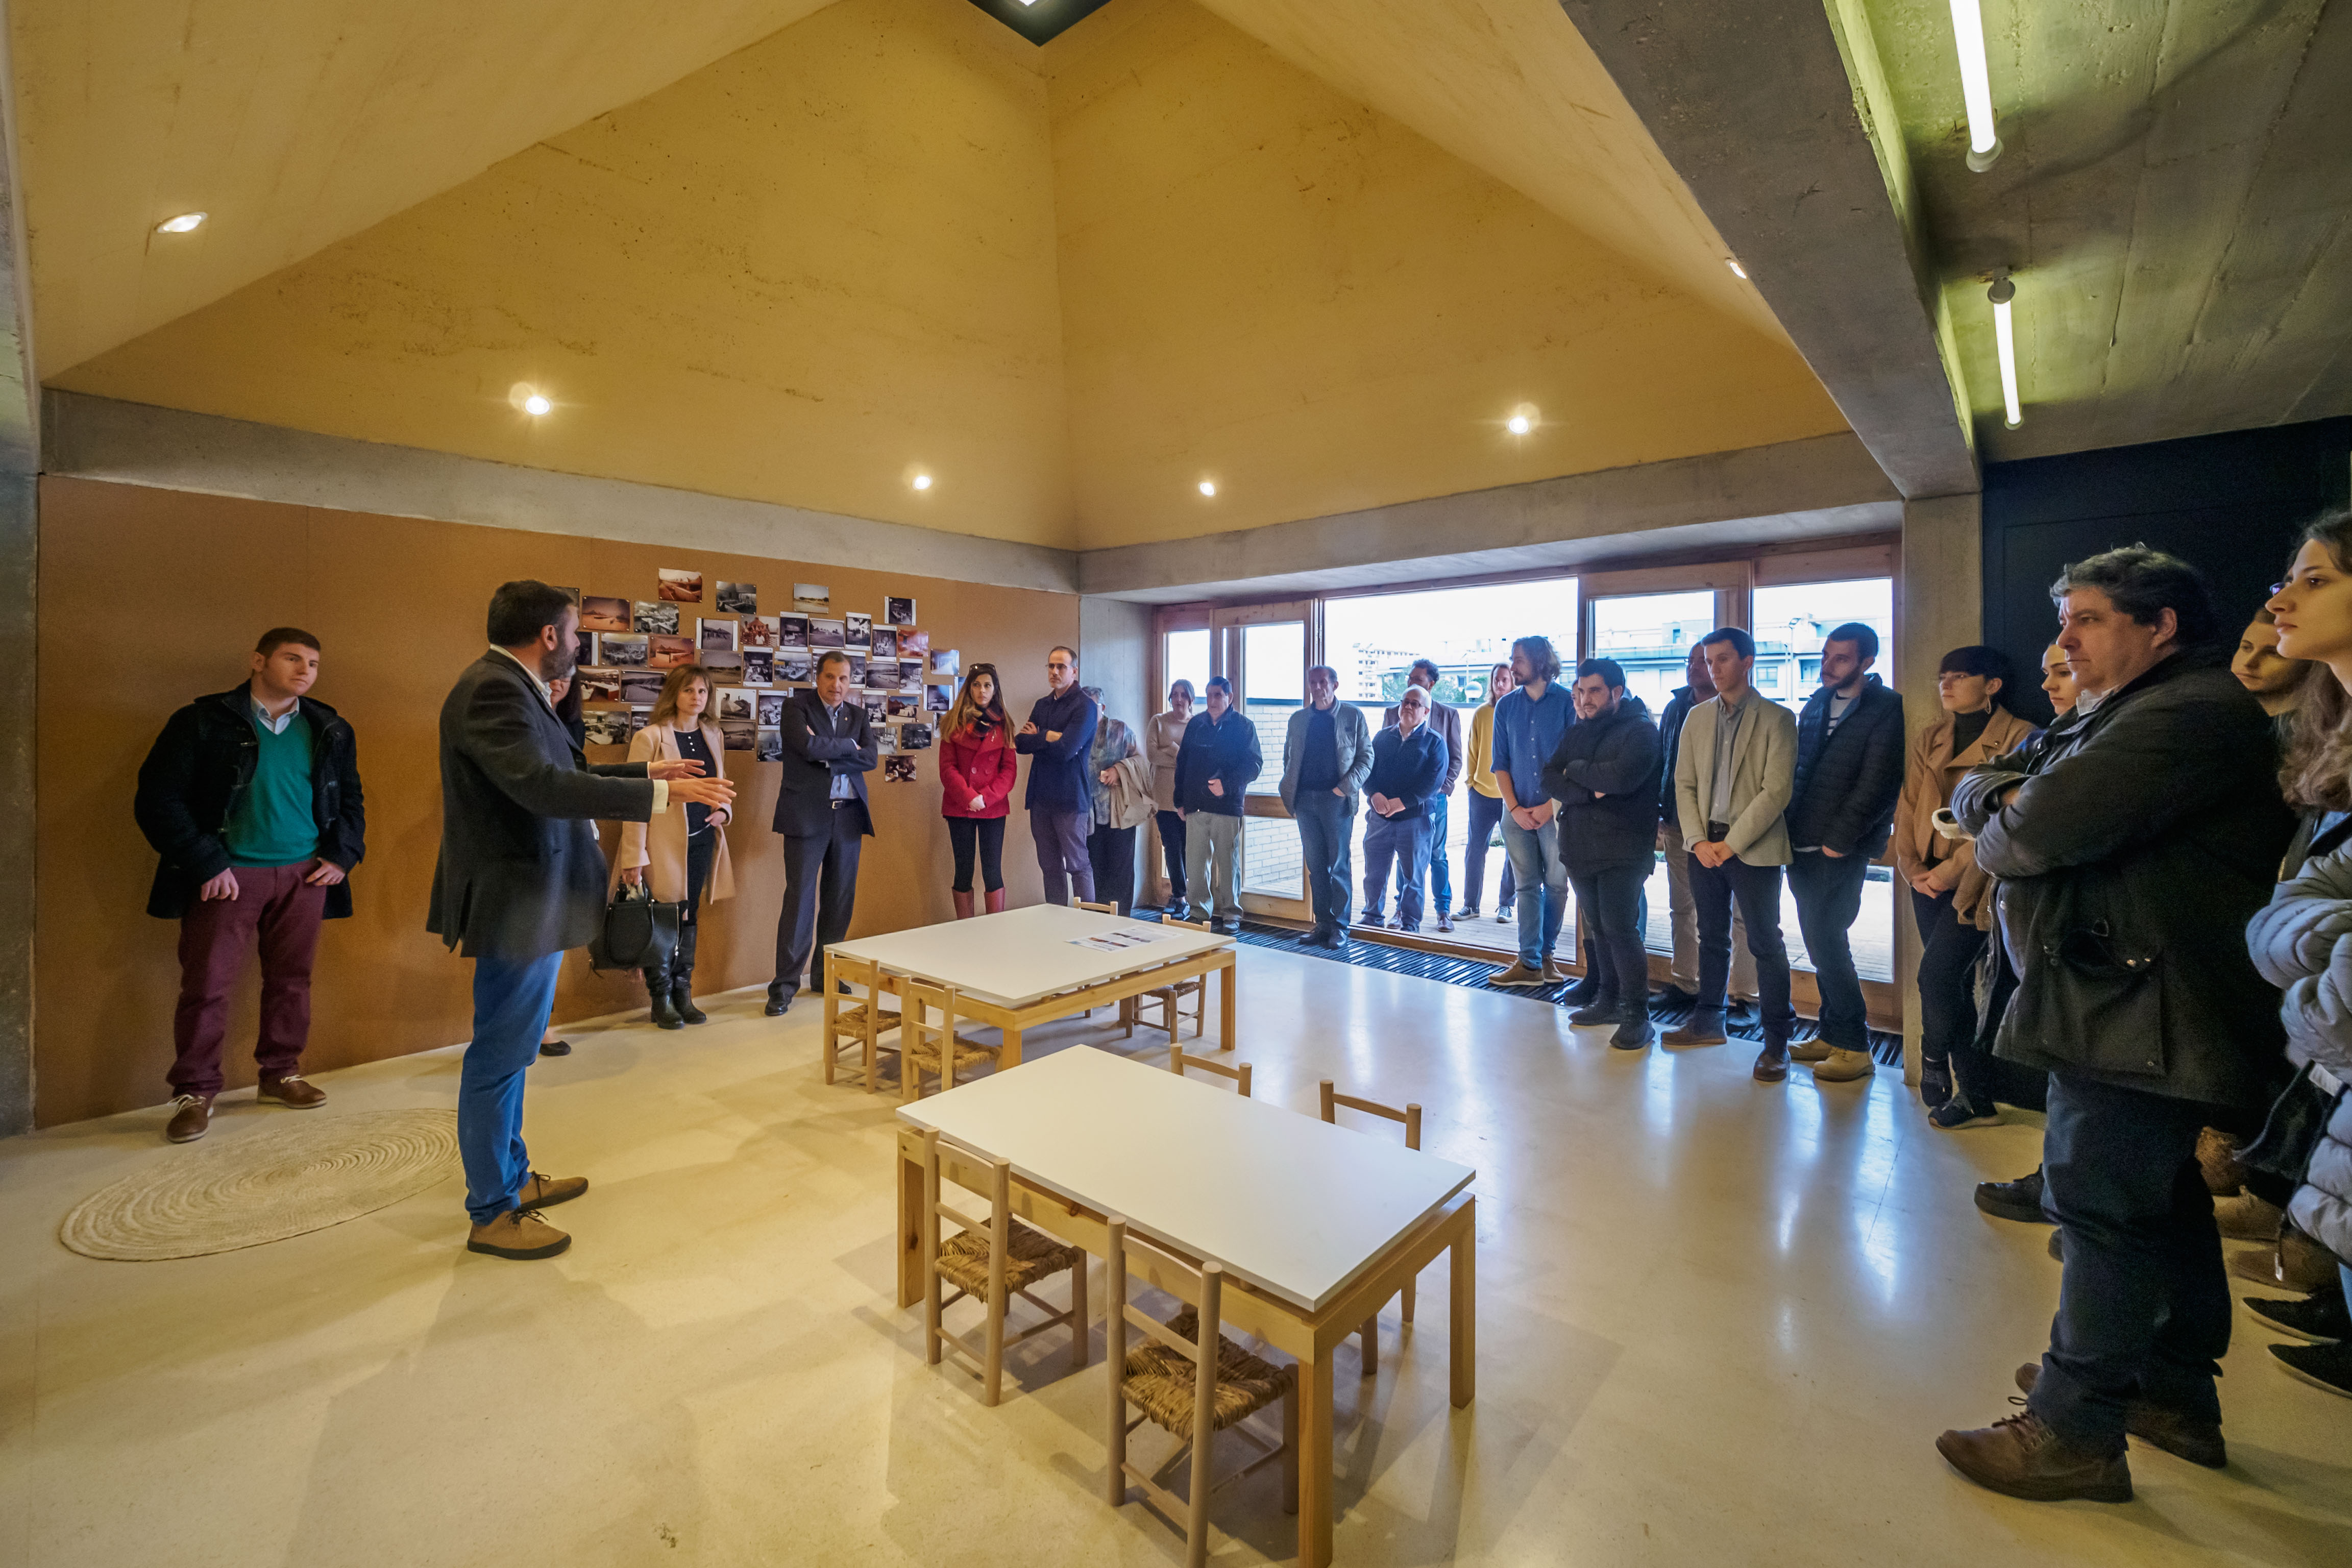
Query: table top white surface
1294	1206
1023	955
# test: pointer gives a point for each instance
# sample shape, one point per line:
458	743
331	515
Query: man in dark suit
522	879
821	811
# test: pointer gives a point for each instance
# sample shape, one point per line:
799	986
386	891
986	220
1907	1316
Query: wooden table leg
1462	1350
1226	1040
1008	1055
910	1226
1316	1499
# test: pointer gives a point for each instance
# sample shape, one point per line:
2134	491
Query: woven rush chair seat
1030	1255
925	1055
1161	1380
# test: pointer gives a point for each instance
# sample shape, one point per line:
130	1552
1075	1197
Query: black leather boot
1603	1009
664	1010
1633	1030
681	977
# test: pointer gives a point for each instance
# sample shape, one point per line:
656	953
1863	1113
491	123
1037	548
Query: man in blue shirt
1528	724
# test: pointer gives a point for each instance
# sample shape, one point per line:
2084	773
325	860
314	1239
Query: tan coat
1928	780
659	846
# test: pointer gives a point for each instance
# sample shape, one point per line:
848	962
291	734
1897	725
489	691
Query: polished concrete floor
1717	1323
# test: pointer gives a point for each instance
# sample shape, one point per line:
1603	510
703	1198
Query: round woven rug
304	1175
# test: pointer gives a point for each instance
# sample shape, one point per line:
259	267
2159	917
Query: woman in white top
1163	737
680	853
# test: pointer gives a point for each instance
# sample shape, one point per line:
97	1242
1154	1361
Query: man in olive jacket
2129	857
1326	757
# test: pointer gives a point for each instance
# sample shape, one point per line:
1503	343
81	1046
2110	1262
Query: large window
1790	622
1651	634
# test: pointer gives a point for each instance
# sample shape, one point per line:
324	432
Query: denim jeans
1441	868
1542	888
511	1000
1485	815
1405	841
1828	889
1325	826
1757	890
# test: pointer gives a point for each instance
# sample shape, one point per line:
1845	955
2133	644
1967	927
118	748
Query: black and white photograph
598	685
886	740
913	642
815	596
939	699
654	617
910	678
856	670
859	630
737	598
899	770
770	747
947	663
604	615
881	675
681	587
726	668
642	687
823	635
914	737
739	734
668	652
791	632
886	643
874	704
896	610
794	669
757	631
900	706
606	726
625	649
714	634
639	718
735	702
586	651
772	708
759	667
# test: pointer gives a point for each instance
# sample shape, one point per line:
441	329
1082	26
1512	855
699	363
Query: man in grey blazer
1733	779
1326	758
522	879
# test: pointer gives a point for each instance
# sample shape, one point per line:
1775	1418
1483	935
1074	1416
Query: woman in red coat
977	764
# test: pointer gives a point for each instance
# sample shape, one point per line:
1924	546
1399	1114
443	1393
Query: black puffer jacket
1670	740
1848	784
1605	774
2137	843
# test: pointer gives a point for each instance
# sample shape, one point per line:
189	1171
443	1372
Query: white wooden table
1316	1225
1024	967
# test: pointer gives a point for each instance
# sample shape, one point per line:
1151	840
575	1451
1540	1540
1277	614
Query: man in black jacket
522	879
823	814
1217	761
1850	757
2130	849
1605	774
252	798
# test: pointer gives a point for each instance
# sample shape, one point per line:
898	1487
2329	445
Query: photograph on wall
939	699
639	718
914	737
667	652
586	653
681	587
825	634
815	596
873	706
794	669
641	685
570	594
896	610
771	747
791	632
737	598
910	678
886	741
771	705
739	734
856	670
759	667
886	642
656	617
734	703
860	630
900	706
715	634
881	675
913	643
947	663
726	668
598	685
627	649
899	770
606	726
757	631
604	615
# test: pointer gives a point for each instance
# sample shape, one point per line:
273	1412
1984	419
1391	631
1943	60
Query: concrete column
1938	607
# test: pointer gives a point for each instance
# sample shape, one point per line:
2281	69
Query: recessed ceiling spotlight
1519	425
536	404
1736	270
525	398
1524	418
1208	486
921	481
183	223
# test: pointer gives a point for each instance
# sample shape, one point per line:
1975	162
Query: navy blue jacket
1057	769
1408	768
816	749
1848	784
1228	751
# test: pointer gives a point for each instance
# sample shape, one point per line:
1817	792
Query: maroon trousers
276	908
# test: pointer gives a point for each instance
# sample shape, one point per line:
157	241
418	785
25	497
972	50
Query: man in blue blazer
522	879
1409	763
822	814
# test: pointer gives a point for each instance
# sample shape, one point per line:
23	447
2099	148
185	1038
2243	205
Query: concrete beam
19	576
1815	488
1752	102
168	448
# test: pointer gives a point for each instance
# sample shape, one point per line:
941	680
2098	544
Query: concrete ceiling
2175	195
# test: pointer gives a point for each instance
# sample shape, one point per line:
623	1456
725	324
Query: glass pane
1274	686
1271	861
1651	634
1790	622
1186	658
1872	934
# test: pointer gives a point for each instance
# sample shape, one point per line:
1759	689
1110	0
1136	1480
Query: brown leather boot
962	904
2021	1457
290	1089
1772	1062
2186	1436
1704	1027
192	1121
518	1233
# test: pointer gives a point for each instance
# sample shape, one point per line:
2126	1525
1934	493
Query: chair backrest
997	1227
865	971
1099	909
1411	1115
1239	1072
1196	925
918	1000
1203	1288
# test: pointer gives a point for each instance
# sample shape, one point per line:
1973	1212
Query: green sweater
273	823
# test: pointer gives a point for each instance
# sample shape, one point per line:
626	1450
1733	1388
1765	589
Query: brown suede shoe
2184	1437
1553	974
546	1192
290	1089
518	1233
1842	1065
192	1121
2021	1457
1771	1063
1516	975
1704	1027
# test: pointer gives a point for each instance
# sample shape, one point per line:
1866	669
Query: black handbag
2290	1132
640	932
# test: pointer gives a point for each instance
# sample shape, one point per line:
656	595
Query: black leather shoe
682	997
1671	996
2019	1200
555	1047
1602	1008
778	1006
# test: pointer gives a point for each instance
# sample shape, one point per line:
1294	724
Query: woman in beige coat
1163	737
1951	897
681	854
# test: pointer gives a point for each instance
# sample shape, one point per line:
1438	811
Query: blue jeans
1326	825
1405	841
511	1001
1486	813
1440	870
1829	897
1542	880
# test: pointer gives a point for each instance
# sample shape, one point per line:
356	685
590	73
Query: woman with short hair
680	854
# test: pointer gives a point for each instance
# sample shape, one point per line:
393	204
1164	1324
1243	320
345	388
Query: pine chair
1190	1379
1410	1117
992	1260
1126	1009
1099	909
1239	1072
922	1043
855	1017
1171	998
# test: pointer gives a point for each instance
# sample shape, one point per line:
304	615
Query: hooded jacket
1606	773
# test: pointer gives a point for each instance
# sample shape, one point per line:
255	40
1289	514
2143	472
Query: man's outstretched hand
703	791
681	768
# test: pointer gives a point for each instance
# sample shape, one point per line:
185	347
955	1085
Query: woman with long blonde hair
977	766
678	854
